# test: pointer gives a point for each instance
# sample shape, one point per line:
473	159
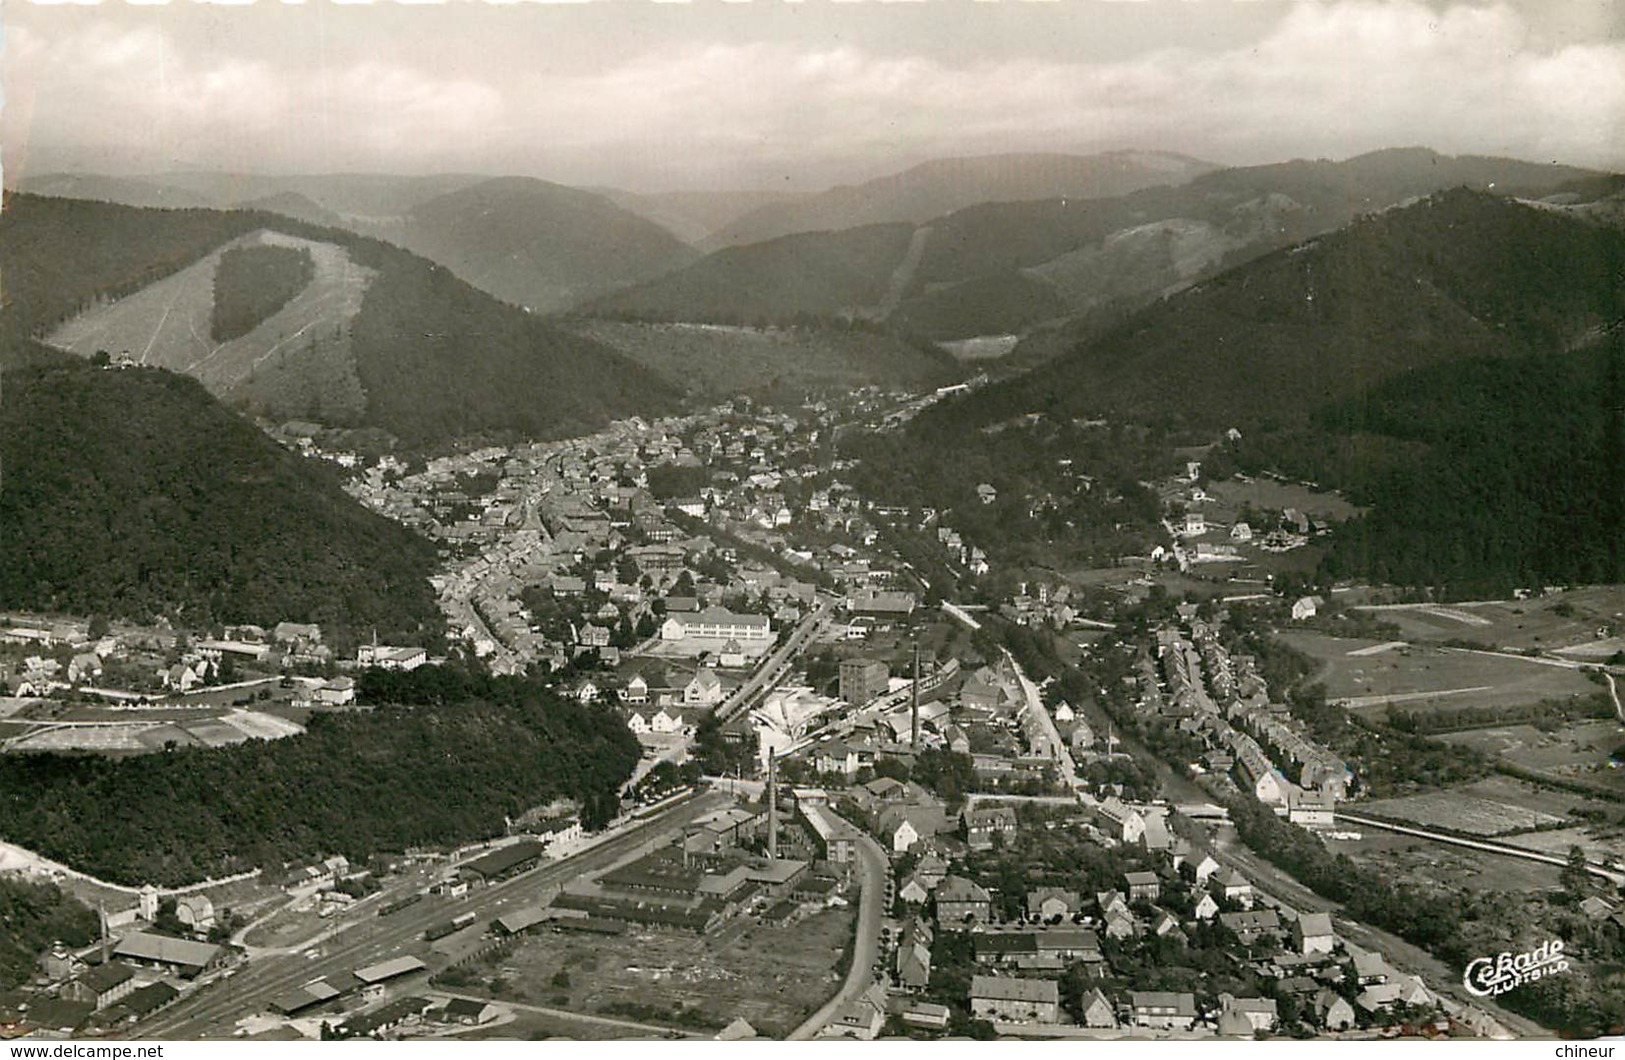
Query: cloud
1328	79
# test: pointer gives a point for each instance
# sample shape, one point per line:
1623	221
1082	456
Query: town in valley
1103	596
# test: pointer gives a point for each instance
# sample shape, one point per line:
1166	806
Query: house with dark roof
1007	1000
1249	927
961	901
1163	1009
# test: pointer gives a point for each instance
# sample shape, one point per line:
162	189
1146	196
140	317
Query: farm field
1560	620
1408	860
295	364
774	977
1421	676
1576	751
1458	811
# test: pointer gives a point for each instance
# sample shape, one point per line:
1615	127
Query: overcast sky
801	94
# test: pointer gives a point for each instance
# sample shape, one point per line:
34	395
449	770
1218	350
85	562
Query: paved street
866	943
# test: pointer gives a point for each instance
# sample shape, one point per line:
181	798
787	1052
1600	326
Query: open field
295	363
99	730
981	348
1264	494
1421	676
774	977
1458	811
1575	751
1568	619
1406	859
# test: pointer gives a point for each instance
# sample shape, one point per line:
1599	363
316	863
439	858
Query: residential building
960	901
704	690
1164	1010
1097	1011
1143	886
1052	903
1004	1000
1312	933
1246	1016
986	828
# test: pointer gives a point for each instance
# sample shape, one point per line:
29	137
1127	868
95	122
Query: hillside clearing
297	363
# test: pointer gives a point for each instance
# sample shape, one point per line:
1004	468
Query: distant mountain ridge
941	186
525	241
541	245
1005	267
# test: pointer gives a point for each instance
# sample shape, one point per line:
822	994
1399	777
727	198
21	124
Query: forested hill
1006	266
813	273
134	493
1481	477
1459	275
63	254
538	244
443	767
436	358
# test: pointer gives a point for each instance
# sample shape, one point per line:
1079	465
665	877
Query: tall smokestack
101	918
772	806
914	721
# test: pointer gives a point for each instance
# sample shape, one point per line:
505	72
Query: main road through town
774	667
212	1012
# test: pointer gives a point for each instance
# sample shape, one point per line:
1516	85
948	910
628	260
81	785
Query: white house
386	657
335	693
704	690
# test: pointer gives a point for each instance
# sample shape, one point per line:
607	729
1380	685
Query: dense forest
1444	364
1481	477
440	359
447	757
133	493
34	916
253	282
1461	275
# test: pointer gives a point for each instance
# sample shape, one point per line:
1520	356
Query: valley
542	630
